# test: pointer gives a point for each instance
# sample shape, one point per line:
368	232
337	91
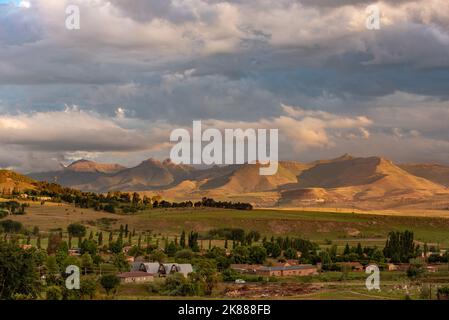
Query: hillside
10	180
359	179
246	178
433	172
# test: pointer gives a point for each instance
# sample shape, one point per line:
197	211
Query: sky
113	90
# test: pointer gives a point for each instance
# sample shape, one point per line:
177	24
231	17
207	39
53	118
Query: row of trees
400	247
124	202
12	208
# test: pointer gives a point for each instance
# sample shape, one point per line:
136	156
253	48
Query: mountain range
346	180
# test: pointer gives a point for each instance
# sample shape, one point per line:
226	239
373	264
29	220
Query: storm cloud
298	64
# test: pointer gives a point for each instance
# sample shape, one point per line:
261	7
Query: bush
416	269
177	285
186	254
443	293
10	226
110	283
230	275
3	213
54	293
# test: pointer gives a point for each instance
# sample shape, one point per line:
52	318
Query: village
116	260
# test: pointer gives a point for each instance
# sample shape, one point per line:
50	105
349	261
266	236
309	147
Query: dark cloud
176	61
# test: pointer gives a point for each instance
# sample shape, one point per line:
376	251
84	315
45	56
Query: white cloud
69	130
24	4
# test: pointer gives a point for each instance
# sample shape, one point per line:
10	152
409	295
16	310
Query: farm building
285	271
280	270
163	269
135	277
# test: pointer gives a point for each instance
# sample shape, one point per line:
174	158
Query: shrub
54	293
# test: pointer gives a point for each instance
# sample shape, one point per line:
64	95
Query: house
391	267
163	269
277	270
74	252
135	277
432	268
286	271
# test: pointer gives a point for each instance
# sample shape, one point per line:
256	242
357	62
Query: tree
291	253
69	261
378	256
36	231
86	262
54	240
193	241
119	260
347	250
76	230
54	293
10	226
416	269
240	255
88	287
326	260
136	198
359	250
171	249
110	283
257	254
18	272
400	246
158	256
52	269
88	246
207	273
273	249
184	254
100	239
117	246
177	285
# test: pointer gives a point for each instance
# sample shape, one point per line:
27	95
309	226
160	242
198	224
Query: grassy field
323	227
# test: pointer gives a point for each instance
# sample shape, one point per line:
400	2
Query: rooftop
134	274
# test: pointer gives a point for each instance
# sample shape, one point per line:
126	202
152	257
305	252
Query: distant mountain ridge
345	178
78	173
91	166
